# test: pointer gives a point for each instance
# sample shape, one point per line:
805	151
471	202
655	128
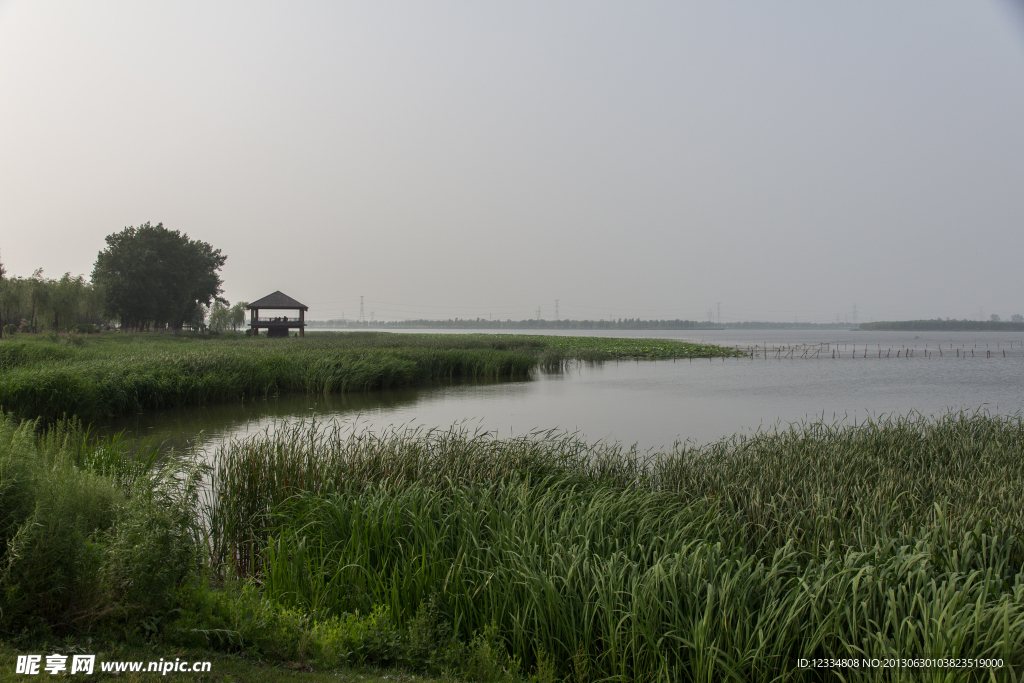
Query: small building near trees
277	326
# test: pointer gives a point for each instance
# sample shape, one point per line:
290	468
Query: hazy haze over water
787	159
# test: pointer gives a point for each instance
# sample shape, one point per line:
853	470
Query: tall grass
90	532
124	374
96	389
902	537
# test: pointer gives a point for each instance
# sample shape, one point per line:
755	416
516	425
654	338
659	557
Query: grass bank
104	551
732	561
102	376
463	555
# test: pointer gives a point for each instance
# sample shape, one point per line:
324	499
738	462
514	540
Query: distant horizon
667	324
372	308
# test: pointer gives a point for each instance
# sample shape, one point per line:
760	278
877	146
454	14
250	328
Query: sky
783	161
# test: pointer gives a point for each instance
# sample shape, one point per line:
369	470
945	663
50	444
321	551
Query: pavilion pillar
302	323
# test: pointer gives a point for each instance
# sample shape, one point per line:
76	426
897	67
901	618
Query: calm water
654	404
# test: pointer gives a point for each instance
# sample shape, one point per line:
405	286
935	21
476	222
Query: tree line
147	278
1015	324
565	324
531	323
40	304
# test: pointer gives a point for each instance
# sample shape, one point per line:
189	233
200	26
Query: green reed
730	561
91	530
92	389
115	375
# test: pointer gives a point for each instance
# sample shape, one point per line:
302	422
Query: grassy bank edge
113	374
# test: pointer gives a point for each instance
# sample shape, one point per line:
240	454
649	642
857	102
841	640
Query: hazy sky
631	159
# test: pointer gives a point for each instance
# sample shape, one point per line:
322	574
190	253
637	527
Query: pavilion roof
278	300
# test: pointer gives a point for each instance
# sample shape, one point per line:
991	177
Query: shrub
86	534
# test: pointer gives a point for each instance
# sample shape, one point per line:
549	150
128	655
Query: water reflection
182	428
654	404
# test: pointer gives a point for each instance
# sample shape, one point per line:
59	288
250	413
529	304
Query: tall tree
155	276
237	314
3	297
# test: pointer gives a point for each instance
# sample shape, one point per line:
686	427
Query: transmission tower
556	309
362	317
719	312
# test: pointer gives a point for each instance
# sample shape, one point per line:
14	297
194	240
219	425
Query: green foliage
222	318
38	304
484	658
108	375
152	275
89	533
609	348
484	558
234	616
1015	324
237	616
730	561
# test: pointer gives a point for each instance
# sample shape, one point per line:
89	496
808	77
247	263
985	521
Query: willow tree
155	276
3	291
37	303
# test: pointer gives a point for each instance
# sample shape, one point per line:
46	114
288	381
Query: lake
654	404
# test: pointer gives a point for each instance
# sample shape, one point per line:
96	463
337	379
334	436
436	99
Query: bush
86	534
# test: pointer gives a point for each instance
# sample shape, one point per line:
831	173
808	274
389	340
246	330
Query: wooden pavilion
280	325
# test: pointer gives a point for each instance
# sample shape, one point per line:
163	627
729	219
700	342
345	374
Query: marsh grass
113	375
435	548
729	561
91	532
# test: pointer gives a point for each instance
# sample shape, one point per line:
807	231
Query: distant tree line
147	278
484	323
40	304
1015	324
534	324
756	325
